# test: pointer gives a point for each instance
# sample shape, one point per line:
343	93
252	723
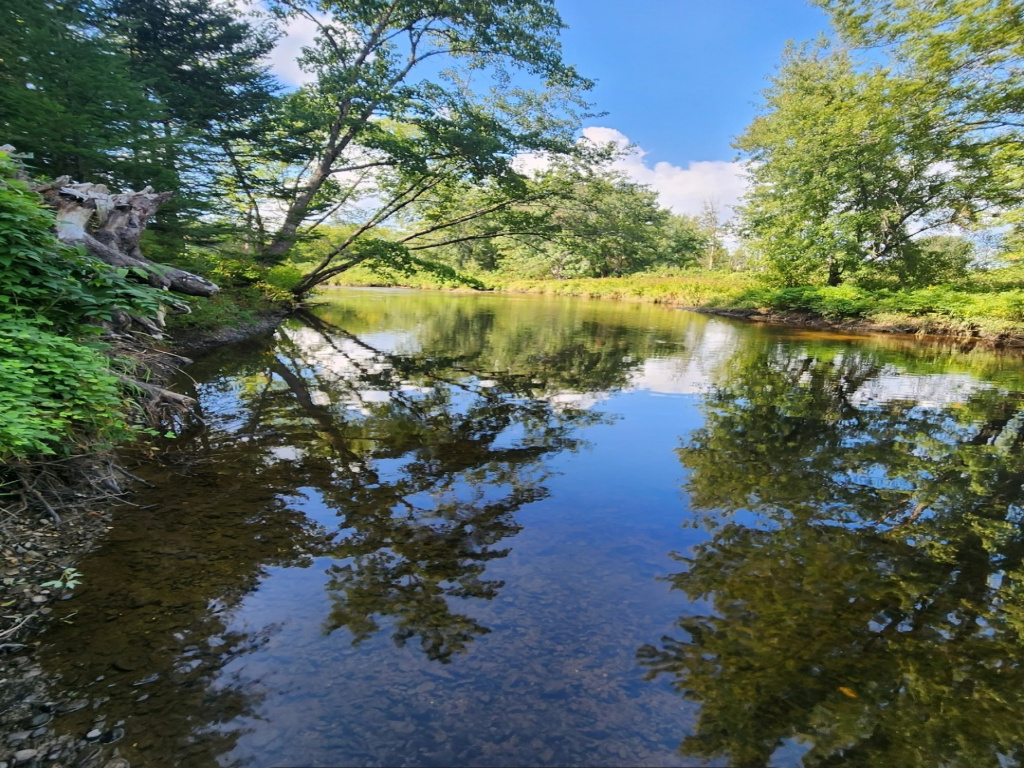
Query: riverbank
40	546
988	307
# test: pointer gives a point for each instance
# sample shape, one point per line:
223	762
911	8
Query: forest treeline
409	141
433	134
442	139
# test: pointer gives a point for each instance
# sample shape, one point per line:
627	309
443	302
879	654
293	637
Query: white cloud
683	190
299	32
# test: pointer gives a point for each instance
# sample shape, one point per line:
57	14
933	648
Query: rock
41	730
112	736
24	755
118	762
41	719
73	706
94	734
17	738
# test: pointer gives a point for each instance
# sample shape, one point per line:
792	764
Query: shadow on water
422	530
864	564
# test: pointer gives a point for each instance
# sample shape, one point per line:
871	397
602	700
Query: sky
677	79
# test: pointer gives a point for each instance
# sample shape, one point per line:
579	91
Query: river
418	529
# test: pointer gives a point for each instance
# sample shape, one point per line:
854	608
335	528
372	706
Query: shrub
56	385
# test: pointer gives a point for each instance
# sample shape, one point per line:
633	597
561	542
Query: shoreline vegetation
989	308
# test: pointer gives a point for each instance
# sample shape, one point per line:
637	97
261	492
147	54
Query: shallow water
423	529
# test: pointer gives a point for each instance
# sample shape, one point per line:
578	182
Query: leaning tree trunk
110	227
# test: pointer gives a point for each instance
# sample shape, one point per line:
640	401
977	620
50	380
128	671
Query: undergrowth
58	388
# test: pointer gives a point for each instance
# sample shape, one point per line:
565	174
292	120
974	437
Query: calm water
419	529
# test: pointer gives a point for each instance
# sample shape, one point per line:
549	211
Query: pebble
112	736
24	755
41	719
17	738
39	731
94	734
73	706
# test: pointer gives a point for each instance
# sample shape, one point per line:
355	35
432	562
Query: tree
572	219
367	130
848	168
971	51
203	64
185	78
61	80
713	228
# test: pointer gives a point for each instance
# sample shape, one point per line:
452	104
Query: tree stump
110	226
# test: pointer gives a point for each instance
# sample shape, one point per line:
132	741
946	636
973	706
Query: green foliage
184	78
927	261
971	51
570	220
834	303
56	390
853	164
377	138
428	276
56	393
61	80
993	307
68	579
247	289
687	289
850	165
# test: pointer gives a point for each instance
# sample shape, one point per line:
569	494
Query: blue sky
678	79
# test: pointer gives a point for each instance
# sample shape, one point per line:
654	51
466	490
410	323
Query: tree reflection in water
428	463
425	458
864	568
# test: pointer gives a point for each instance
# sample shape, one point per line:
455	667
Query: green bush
57	389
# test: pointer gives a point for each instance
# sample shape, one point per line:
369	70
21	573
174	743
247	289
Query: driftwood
110	227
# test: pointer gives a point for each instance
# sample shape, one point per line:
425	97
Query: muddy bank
196	342
909	326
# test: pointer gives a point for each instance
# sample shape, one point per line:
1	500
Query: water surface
421	529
